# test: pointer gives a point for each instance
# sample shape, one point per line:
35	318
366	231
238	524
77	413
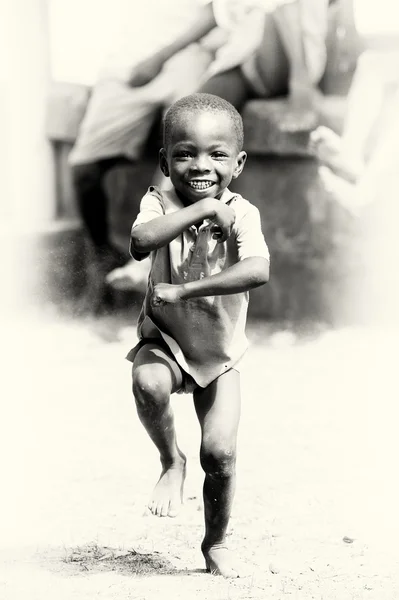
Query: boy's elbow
262	272
138	242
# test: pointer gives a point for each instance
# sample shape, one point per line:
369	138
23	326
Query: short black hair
202	102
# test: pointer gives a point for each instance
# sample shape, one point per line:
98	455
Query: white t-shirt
206	335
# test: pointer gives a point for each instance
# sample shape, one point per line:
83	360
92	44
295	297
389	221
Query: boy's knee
151	385
218	460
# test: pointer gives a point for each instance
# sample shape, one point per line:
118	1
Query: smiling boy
207	251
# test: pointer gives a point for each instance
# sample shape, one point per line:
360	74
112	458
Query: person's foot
219	562
326	145
342	191
132	277
167	496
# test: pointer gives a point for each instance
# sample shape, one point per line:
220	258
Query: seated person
361	169
273	47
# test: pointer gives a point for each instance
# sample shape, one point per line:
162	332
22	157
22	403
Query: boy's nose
201	164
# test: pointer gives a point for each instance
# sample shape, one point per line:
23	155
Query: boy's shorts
188	383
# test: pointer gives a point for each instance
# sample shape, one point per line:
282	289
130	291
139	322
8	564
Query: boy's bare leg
155	376
218	411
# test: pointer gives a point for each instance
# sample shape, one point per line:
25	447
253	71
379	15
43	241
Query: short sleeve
249	236
151	207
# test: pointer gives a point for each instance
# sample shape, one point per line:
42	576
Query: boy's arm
158	232
149	68
245	275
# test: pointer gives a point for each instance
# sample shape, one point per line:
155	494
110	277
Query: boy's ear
241	158
163	163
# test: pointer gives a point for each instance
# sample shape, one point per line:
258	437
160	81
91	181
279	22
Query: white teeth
200	185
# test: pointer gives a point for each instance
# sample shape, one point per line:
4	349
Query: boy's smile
202	157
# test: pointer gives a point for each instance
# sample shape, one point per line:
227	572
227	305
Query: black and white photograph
199	309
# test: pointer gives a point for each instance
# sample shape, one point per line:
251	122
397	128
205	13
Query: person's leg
374	71
92	200
102	257
230	85
218	410
155	376
368	118
345	155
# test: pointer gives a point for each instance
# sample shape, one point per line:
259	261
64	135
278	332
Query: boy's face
202	156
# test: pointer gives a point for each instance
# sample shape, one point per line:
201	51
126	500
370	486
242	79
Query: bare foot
167	496
342	191
218	562
132	276
326	145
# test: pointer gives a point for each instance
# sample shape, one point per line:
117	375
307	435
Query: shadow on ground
95	559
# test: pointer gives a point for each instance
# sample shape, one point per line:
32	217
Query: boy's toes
163	510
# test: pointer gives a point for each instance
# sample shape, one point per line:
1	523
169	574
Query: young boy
207	250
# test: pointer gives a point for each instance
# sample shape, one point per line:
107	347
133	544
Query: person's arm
245	275
158	232
251	270
149	68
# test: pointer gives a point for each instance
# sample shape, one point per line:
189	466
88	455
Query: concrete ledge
67	104
263	134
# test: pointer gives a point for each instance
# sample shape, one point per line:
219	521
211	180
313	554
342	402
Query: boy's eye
182	154
219	155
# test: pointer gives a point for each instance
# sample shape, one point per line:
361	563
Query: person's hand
146	70
222	221
165	293
302	114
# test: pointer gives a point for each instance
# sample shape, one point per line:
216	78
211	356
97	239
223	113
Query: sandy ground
315	514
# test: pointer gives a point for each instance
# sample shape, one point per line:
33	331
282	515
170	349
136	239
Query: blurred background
319	380
54	53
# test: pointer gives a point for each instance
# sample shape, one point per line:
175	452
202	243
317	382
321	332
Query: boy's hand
223	221
165	293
